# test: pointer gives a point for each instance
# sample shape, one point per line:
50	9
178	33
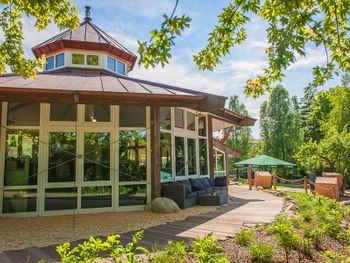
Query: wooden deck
247	208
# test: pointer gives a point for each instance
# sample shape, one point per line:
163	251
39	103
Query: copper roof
96	86
232	117
89	37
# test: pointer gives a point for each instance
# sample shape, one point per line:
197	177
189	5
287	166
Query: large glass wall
219	163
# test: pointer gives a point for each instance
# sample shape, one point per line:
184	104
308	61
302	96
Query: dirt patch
18	233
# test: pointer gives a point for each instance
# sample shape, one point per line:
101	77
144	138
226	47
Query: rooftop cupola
86	38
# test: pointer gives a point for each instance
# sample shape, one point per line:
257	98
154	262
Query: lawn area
309	229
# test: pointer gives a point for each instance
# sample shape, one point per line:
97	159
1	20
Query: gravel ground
18	233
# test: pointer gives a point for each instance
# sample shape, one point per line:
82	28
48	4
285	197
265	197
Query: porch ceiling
224	118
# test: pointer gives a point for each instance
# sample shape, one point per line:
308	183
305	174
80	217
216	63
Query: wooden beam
211	147
227	167
155	152
250	182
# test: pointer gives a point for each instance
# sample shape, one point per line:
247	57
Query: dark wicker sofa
185	192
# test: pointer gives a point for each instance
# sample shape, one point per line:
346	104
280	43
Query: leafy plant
330	256
261	253
284	232
245	237
172	252
207	250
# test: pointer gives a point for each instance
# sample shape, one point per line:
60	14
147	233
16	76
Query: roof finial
87	13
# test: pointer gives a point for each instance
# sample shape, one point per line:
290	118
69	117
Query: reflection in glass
96	196
63	112
203	157
165	118
92	60
132	116
165	155
78	59
97	156
179	118
132	195
97	113
191	151
202	126
60	199
191	121
16	201
180	156
62	150
21	157
50	63
23	114
219	164
132	155
60	60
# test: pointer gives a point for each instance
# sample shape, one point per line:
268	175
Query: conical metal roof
87	36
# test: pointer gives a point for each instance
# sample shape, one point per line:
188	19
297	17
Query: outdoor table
212	199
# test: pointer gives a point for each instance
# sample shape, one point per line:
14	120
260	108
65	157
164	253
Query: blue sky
129	21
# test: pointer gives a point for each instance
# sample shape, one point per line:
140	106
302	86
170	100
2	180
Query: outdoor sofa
186	192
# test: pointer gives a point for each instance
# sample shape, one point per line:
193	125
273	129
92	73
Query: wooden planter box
263	179
327	186
339	178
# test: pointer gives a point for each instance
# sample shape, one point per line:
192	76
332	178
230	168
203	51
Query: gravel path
17	233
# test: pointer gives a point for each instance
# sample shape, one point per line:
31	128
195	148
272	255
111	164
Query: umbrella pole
250	177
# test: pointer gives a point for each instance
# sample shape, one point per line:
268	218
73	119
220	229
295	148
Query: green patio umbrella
265	161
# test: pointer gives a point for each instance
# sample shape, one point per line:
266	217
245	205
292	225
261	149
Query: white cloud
311	59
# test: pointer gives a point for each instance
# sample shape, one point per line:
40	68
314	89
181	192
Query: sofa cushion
221	181
205	182
188	186
191	195
211	181
196	184
201	192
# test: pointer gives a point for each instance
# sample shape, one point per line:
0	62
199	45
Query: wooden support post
334	193
305	184
211	147
274	183
250	177
155	152
227	168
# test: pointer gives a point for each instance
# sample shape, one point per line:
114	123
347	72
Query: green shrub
207	250
314	233
330	256
261	253
245	237
172	252
283	230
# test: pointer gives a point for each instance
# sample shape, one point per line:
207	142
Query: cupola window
116	66
120	68
92	60
111	64
78	59
60	60
50	63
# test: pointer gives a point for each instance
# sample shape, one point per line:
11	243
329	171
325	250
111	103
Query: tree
292	27
306	107
280	124
63	13
345	80
240	138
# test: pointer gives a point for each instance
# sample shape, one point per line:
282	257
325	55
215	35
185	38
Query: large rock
164	205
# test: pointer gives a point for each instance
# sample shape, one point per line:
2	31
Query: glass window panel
191	152
219	163
96	196
165	118
179	118
63	112
60	60
132	195
202	126
180	156
60	199
191	123
78	59
120	68
50	63
23	114
97	113
203	157
132	116
62	150
92	60
132	156
16	201
111	64
165	156
21	157
97	156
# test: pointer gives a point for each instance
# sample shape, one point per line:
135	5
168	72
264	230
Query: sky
129	21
